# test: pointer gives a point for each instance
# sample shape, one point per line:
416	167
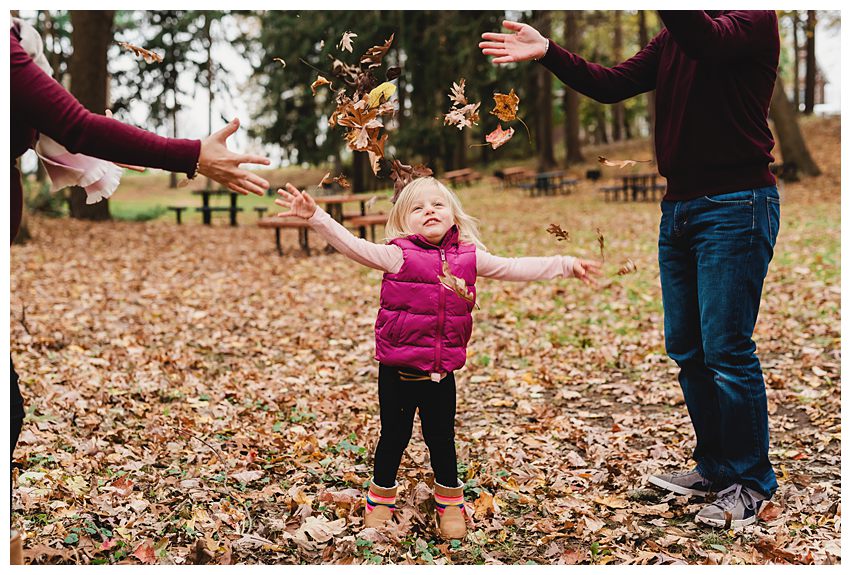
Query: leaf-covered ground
192	397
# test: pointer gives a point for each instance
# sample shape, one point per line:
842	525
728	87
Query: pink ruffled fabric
98	177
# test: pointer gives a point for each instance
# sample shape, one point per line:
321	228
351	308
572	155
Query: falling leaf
149	57
457	94
346	41
462	117
340	180
456	284
462	114
281	60
370	202
393	72
621	163
559	233
505	107
320	81
499	136
403	174
602	241
372	58
384	90
627	268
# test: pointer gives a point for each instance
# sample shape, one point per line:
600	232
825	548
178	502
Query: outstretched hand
218	163
524	43
299	203
586	270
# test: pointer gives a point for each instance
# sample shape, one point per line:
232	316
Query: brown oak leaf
320	81
372	57
559	233
346	41
149	57
456	284
621	163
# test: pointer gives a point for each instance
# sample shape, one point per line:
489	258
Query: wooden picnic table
462	176
334	207
514	175
207	210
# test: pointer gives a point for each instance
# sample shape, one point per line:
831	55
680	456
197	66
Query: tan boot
16	550
449	502
380	505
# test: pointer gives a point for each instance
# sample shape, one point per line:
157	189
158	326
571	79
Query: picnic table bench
550	183
634	185
464	176
370	220
207	210
279	223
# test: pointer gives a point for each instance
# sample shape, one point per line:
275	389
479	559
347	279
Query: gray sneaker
736	506
683	483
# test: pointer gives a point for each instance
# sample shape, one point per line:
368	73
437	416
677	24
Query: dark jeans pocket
732	198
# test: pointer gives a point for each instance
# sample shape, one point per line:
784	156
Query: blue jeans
713	257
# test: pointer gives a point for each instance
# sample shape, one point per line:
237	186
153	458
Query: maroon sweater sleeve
38	101
607	85
733	35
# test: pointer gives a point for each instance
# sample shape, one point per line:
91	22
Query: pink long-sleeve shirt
388	257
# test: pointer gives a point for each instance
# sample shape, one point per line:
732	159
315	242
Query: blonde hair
397	220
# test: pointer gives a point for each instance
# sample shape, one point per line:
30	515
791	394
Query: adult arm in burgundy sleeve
732	35
606	85
39	101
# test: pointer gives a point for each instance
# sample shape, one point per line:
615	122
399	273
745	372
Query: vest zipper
440	311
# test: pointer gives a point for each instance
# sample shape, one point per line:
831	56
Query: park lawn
193	395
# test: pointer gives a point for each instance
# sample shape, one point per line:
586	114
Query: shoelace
727	498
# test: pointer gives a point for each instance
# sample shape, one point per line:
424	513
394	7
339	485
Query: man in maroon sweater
714	74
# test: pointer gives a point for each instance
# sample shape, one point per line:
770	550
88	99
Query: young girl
422	328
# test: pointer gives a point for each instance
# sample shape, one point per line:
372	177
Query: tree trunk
644	39
571	97
618	110
544	103
810	86
796	50
91	36
788	133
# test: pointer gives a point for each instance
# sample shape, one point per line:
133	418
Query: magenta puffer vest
421	323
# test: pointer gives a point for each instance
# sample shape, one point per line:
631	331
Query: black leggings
398	401
16	409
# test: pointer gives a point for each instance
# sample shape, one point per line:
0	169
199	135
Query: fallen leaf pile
194	398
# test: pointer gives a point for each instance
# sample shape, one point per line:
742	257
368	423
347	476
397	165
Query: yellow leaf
386	89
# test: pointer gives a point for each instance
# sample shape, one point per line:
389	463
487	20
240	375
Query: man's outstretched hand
523	43
218	163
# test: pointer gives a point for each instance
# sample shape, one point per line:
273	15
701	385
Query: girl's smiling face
430	215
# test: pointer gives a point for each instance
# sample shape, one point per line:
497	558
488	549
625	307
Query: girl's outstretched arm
535	268
387	258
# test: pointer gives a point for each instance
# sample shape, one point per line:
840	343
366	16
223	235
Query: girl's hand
218	163
300	203
525	43
586	270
